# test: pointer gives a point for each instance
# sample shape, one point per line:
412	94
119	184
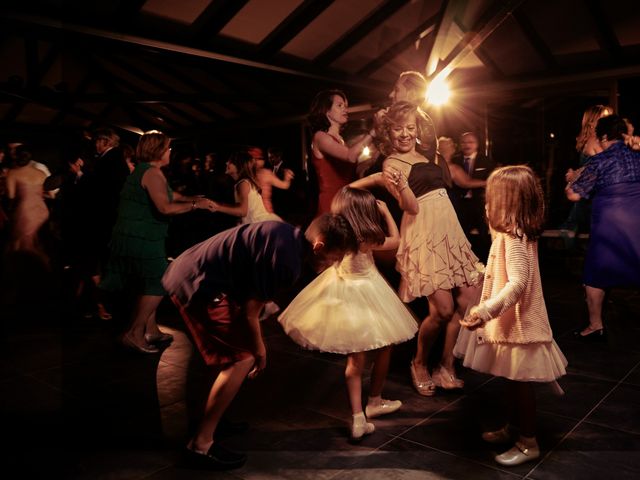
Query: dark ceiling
191	65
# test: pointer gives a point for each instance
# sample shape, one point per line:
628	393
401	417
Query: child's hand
472	321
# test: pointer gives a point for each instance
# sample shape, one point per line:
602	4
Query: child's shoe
519	454
360	427
505	435
380	406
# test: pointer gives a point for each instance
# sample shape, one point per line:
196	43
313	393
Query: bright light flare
366	152
438	92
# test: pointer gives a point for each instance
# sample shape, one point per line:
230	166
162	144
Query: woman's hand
571	175
394	179
260	363
288	175
632	141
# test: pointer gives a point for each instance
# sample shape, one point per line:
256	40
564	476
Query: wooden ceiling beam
297	21
359	31
425	28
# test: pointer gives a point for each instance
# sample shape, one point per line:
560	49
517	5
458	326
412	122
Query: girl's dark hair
22	156
514	202
321	104
337	233
242	161
613	126
360	209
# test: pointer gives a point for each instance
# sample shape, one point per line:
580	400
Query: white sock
359	417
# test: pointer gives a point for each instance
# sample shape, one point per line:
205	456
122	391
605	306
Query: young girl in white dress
350	309
249	206
508	333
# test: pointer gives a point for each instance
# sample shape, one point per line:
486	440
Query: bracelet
193	204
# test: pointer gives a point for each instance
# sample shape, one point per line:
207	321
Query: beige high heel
443	378
423	384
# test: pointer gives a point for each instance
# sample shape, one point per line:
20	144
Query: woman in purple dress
612	179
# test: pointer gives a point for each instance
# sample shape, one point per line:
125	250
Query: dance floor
77	405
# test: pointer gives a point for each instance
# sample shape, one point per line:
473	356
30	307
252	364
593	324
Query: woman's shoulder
396	160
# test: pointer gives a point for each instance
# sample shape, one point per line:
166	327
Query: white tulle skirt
348	308
534	362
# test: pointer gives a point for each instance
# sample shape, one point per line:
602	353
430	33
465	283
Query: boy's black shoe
217	458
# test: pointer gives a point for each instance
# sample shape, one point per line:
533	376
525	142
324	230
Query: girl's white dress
256	211
348	308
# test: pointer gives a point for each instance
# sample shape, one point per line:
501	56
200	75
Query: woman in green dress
138	255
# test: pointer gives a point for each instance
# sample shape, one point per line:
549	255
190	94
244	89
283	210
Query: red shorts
220	333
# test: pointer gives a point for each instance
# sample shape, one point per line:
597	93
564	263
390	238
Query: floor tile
592	452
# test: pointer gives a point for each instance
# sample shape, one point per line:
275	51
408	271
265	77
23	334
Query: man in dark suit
469	203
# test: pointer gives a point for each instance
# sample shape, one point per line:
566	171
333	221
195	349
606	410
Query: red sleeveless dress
333	174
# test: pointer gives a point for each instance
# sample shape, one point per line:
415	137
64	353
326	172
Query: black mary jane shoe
216	458
593	336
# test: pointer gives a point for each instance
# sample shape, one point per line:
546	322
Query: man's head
105	138
330	237
468	143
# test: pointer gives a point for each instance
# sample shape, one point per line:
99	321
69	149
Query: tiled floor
76	405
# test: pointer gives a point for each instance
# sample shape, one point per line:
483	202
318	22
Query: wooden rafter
292	25
359	31
425	28
214	18
606	37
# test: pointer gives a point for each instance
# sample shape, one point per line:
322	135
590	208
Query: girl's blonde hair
589	120
361	210
514	202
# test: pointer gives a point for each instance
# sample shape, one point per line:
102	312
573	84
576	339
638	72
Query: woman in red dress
334	162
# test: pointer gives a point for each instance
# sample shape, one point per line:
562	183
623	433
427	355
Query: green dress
138	256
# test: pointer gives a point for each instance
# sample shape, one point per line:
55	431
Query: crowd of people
455	212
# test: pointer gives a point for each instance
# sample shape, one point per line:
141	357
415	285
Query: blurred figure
469	202
267	179
447	148
129	154
249	205
29	211
587	145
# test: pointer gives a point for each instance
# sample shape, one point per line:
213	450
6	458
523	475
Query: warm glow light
438	92
366	152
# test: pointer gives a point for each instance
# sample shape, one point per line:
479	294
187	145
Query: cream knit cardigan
512	303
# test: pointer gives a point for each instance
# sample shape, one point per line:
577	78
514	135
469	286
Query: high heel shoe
103	314
424	384
443	378
162	338
594	335
128	342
